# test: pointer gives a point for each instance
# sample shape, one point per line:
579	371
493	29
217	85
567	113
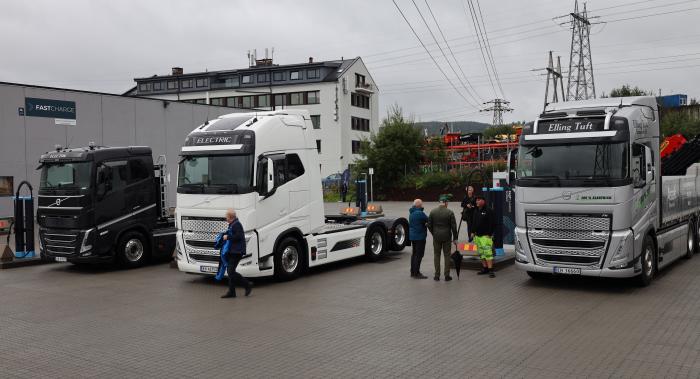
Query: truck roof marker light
58	147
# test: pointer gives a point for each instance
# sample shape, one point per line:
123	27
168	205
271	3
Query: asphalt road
353	319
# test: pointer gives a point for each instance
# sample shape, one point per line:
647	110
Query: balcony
366	88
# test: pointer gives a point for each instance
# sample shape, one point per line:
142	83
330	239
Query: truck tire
691	241
648	262
288	259
132	249
400	235
375	243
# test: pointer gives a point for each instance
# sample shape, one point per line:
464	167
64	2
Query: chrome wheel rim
648	259
290	259
376	243
399	235
133	250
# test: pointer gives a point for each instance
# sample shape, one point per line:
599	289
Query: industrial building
34	119
340	95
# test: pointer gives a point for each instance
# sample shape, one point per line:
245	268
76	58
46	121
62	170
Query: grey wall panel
12	147
88	125
118	120
150	125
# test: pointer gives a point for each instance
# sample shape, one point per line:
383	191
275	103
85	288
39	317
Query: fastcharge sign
58	109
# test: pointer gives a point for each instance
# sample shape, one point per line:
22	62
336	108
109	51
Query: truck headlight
86	245
520	255
621	255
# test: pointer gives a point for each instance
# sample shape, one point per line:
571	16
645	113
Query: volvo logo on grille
566	195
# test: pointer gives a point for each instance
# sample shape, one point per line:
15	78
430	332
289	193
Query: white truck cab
265	166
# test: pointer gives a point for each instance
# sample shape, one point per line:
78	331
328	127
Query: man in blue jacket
417	233
235	253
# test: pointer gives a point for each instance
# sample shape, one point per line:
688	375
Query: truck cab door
111	180
273	198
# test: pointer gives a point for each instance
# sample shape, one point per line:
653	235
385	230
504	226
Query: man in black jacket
236	251
482	228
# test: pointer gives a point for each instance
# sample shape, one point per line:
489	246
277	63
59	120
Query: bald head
230	215
418	203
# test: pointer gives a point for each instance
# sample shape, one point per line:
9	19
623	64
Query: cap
445	197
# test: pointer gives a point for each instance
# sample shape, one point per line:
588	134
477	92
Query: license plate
61	259
567	271
208	268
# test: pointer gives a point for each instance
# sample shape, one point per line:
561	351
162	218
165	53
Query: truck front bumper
605	272
210	268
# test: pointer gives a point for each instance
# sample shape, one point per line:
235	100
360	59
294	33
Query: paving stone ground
353	319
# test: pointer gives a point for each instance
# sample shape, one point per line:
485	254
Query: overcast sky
102	45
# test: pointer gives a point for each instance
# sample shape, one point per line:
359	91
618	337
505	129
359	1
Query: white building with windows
341	97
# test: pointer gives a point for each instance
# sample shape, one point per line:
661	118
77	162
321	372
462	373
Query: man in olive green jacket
443	227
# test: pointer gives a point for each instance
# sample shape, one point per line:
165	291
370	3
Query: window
144	87
296	98
295	168
60	175
200	101
172	84
263	77
280	100
360	124
278	171
318	145
218	174
138	170
294	75
202	82
278	76
113	174
313	73
231	102
231	82
263	101
356	146
246	79
313	97
246	101
359	80
217	101
316	121
359	100
158	86
186	83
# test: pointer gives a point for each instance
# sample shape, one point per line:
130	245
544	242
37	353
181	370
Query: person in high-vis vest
482	228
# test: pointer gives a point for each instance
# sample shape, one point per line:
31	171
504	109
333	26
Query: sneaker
436	278
448	278
228	295
483	272
492	274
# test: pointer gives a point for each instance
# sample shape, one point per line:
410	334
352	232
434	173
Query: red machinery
672	144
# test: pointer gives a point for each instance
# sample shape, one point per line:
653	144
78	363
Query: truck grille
580	240
199	234
60	242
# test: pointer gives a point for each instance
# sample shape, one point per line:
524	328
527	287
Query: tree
627	90
679	122
435	151
394	150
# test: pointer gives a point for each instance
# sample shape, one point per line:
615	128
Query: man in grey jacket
443	227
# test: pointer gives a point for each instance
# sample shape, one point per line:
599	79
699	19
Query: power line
427	51
488	49
443	53
652	15
450	49
481	48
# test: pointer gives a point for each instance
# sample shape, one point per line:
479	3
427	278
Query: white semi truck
265	166
591	198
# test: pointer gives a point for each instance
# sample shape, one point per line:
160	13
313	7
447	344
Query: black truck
104	204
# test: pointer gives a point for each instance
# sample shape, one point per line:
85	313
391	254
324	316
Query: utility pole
580	81
554	75
498	106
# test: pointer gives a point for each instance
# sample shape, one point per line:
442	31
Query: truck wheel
538	275
132	249
691	240
400	233
648	266
375	243
288	259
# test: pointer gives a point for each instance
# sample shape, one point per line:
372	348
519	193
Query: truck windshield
585	165
224	174
74	175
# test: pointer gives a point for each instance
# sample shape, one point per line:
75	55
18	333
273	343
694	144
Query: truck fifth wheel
265	166
591	198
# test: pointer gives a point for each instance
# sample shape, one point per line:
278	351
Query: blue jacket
417	230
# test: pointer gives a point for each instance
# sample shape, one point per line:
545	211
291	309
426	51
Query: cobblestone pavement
354	319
